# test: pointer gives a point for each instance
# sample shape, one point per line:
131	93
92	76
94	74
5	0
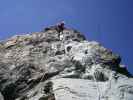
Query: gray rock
80	89
61	65
1	97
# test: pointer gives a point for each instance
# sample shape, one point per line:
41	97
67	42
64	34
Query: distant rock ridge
58	63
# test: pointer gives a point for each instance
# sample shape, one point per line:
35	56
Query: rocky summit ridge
58	63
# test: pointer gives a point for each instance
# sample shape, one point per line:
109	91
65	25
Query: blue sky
108	21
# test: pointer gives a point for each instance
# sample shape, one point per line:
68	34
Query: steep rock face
61	65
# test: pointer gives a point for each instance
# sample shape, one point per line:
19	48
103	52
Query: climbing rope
97	86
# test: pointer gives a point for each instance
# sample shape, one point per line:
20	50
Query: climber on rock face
60	26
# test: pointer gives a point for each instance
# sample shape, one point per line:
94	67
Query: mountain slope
60	64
